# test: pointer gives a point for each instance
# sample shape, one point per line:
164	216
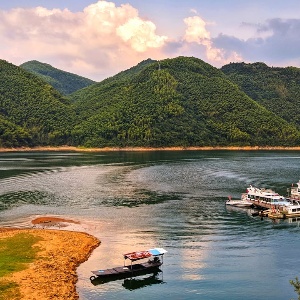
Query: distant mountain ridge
277	89
63	81
182	101
32	112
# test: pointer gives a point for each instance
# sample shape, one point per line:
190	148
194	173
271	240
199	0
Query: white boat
243	202
266	198
272	204
295	191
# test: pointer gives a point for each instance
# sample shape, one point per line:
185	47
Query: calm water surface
175	200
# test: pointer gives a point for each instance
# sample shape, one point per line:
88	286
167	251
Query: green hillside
64	82
12	135
181	102
31	111
277	89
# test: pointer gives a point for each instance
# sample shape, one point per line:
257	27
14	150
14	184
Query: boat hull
126	271
239	203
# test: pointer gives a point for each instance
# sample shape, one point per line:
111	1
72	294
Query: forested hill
174	102
31	111
177	102
277	89
64	82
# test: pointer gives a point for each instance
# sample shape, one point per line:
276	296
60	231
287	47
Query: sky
98	39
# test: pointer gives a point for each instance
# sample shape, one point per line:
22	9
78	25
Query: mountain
176	102
64	82
277	89
32	112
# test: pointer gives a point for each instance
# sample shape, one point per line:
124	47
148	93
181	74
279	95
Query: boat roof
144	254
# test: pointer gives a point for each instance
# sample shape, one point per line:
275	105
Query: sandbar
52	275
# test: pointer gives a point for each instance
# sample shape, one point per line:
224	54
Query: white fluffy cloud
99	41
196	32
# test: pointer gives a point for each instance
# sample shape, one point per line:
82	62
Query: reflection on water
173	200
138	283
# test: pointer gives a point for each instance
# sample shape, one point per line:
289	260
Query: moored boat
154	259
266	198
295	191
243	202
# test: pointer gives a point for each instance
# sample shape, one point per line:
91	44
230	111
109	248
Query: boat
295	192
274	205
153	257
243	202
265	198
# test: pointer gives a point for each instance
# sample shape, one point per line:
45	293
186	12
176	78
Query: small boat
243	202
154	259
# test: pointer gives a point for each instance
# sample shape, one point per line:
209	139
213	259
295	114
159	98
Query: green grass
16	253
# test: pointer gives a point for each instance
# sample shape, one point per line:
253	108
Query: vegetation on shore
296	284
16	252
181	102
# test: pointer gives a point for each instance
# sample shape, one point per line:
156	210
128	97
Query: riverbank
108	149
52	274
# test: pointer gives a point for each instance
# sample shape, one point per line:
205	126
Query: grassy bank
16	252
41	264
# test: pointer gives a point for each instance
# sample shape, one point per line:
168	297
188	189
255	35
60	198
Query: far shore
145	149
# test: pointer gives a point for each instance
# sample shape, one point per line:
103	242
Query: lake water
175	200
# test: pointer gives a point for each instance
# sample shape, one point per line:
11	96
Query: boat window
294	210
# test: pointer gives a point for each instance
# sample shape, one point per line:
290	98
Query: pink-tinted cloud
97	42
196	32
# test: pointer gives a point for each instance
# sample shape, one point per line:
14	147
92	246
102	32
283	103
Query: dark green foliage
174	102
177	102
296	284
12	135
277	89
64	82
32	112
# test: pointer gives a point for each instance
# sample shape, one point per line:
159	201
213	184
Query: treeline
175	102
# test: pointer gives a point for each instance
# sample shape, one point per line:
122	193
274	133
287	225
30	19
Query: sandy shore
53	273
107	149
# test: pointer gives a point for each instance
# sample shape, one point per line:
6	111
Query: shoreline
53	273
150	149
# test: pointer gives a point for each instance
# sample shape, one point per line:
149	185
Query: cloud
140	34
276	42
196	32
98	41
104	39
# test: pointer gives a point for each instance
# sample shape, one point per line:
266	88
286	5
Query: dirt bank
53	273
108	149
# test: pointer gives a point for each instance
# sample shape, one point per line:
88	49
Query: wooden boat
154	261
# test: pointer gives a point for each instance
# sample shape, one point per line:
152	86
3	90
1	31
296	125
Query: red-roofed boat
154	261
